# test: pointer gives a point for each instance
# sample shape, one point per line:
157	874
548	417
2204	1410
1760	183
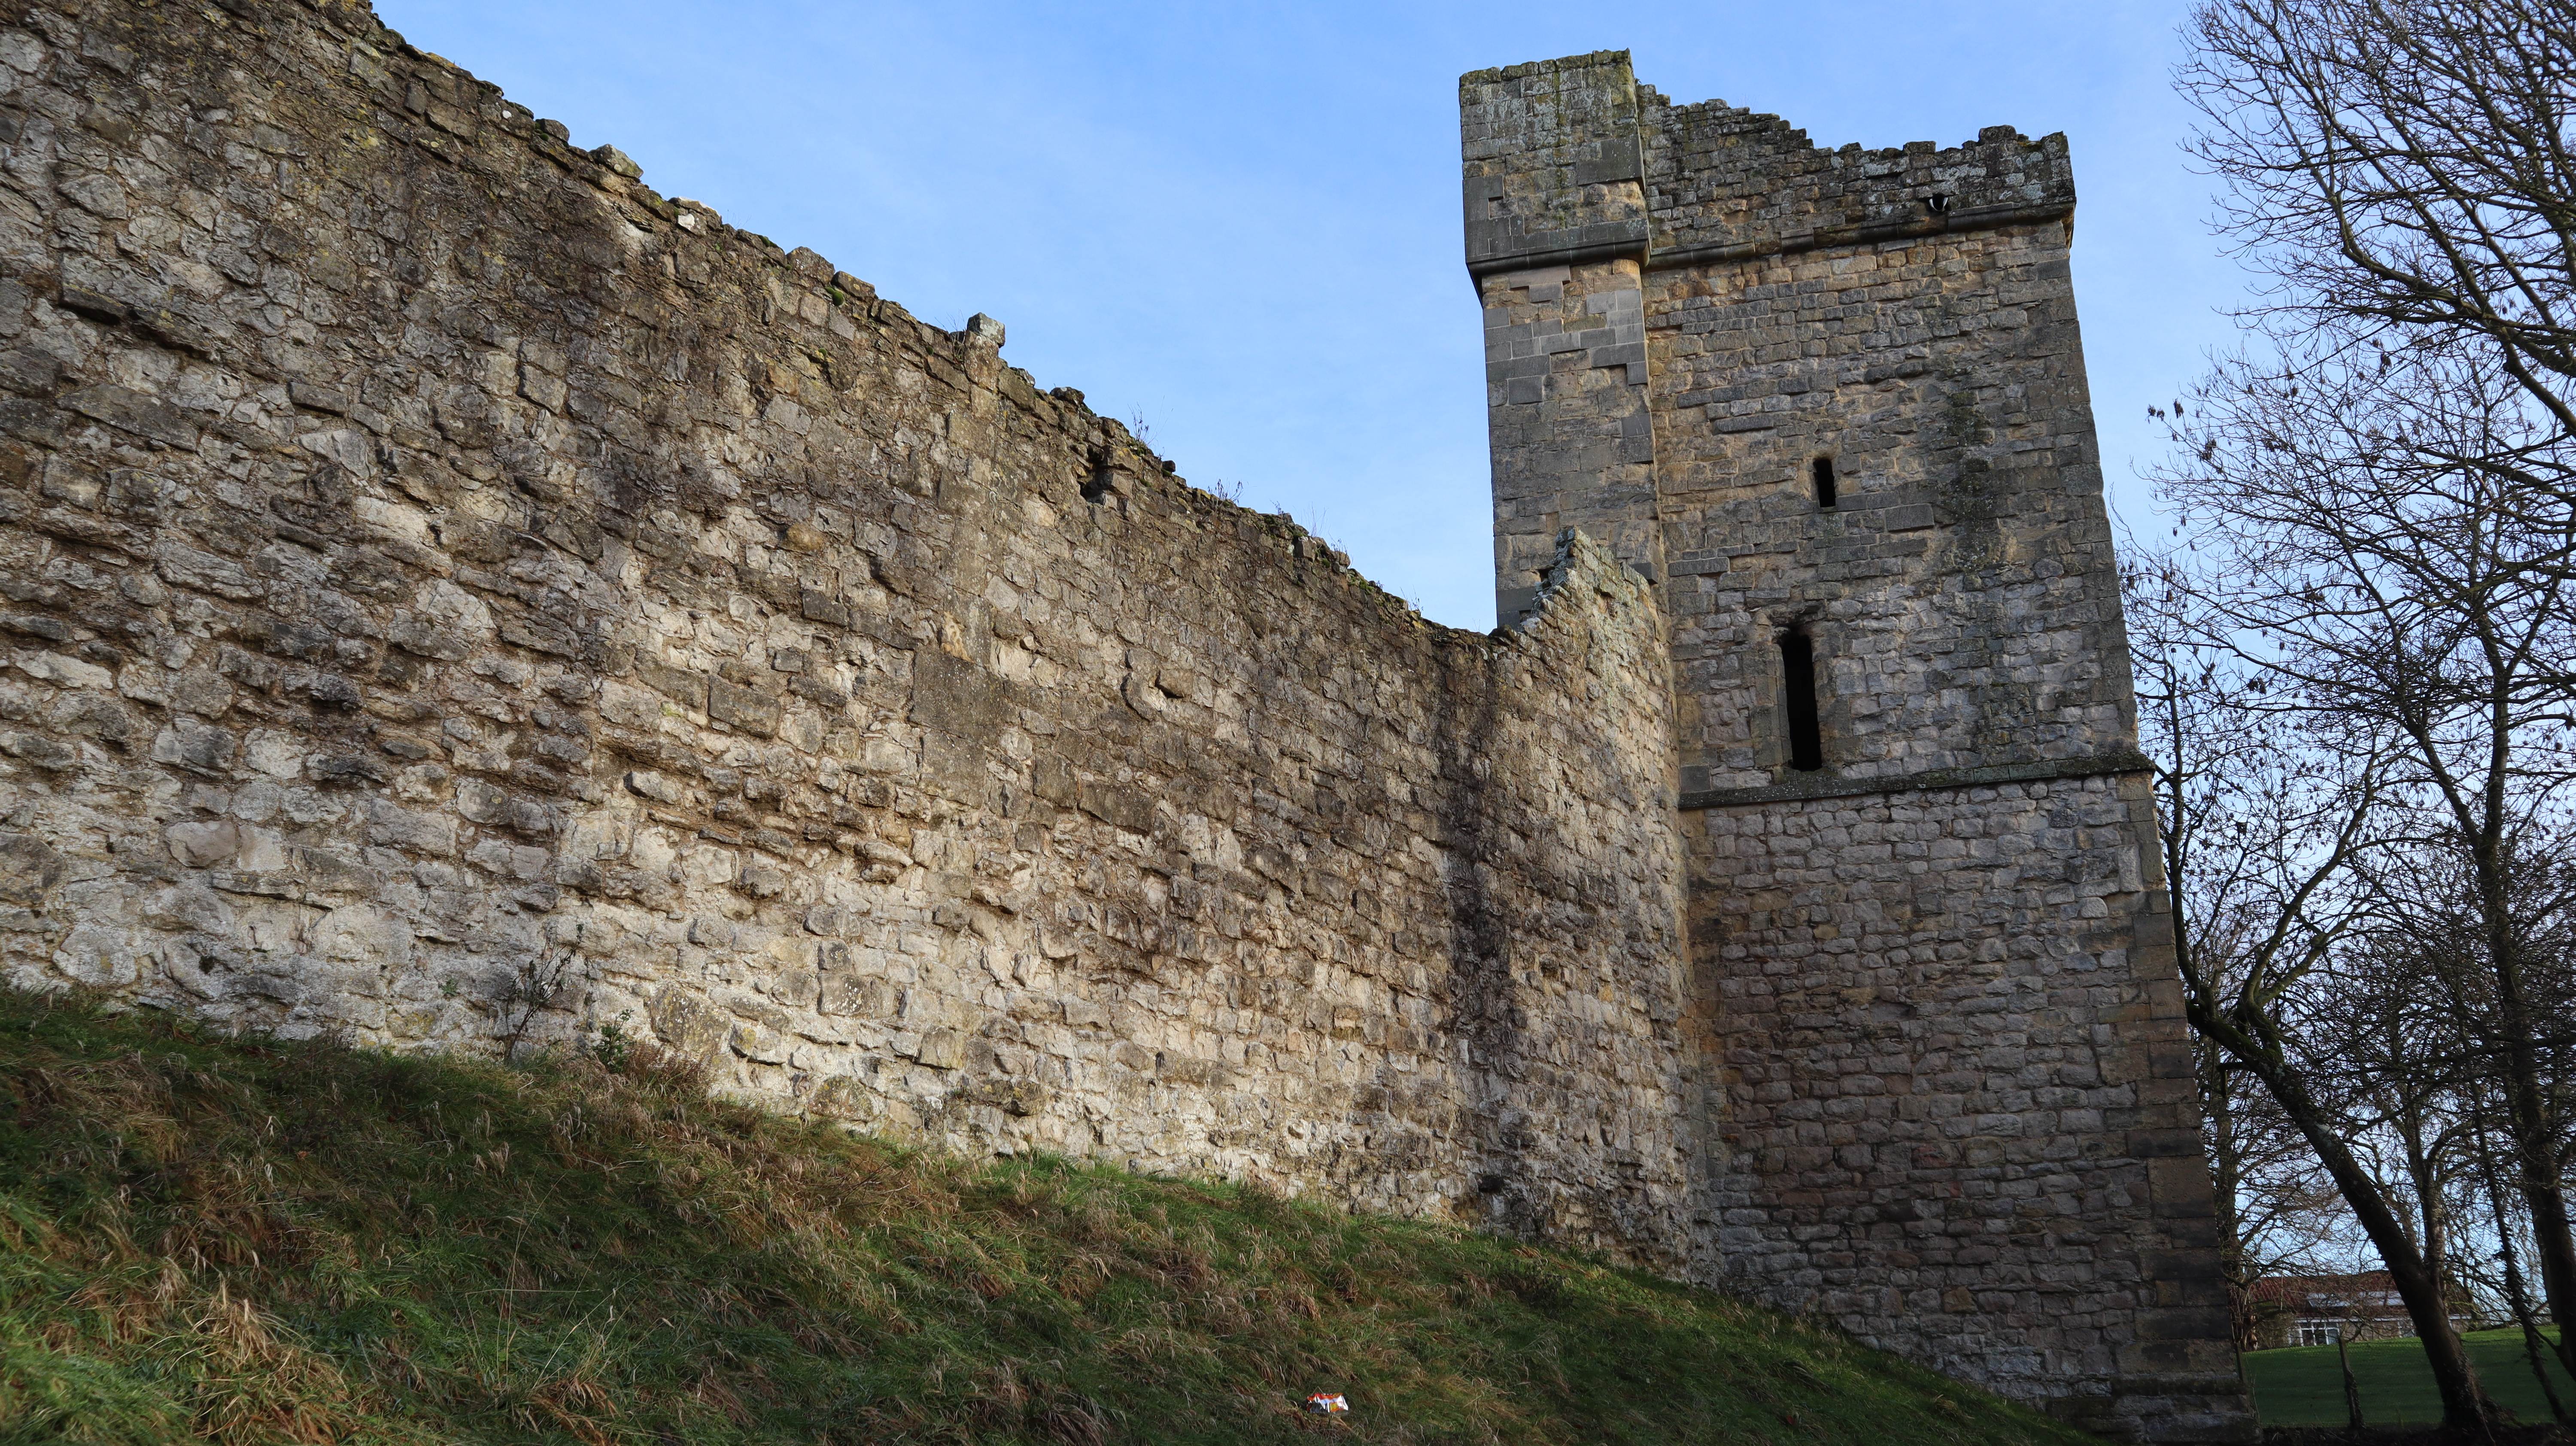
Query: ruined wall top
1573	160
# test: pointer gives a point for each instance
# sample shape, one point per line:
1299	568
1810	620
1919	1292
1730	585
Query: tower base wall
1957	1114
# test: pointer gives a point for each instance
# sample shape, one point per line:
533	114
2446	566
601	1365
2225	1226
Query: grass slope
2303	1385
254	1241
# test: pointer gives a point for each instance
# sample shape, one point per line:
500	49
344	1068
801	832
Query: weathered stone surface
441	572
29	869
1937	1023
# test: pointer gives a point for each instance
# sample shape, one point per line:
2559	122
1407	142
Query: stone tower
1832	403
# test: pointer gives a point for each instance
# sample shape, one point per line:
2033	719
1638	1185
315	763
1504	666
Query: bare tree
2403	169
2510	1283
2409	1025
2257	838
2264	835
2278	1212
2390	485
2408	616
2387	1052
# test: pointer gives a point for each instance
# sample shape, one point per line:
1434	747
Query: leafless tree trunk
2276	1214
2535	1345
2385	1035
2225	1147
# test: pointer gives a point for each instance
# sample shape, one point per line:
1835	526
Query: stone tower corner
1829	404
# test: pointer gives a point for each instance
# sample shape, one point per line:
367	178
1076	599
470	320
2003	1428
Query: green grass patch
256	1241
2303	1385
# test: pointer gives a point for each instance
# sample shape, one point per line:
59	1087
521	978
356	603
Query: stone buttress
1832	403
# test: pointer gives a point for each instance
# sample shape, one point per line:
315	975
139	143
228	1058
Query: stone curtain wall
1946	1091
457	597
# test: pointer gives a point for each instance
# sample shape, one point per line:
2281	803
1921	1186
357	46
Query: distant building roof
2368	1295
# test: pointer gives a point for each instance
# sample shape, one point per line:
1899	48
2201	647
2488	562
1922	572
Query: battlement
1574	160
1724	181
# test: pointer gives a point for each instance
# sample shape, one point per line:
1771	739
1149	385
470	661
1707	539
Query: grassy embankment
254	1241
2303	1385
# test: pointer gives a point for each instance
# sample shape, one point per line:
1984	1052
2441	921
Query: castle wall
456	596
1939	1057
1574	447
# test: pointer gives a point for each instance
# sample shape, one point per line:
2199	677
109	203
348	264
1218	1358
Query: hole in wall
1102	481
1798	700
1821	471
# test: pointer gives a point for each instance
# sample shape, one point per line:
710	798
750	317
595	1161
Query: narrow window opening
1823	470
1798	699
1102	482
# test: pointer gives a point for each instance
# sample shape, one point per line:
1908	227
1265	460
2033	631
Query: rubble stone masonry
457	597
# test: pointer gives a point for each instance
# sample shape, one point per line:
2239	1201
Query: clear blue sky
1240	222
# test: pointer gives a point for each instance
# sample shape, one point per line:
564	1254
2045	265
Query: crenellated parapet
1726	183
1573	161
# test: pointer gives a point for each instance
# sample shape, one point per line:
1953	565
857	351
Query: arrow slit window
1798	700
